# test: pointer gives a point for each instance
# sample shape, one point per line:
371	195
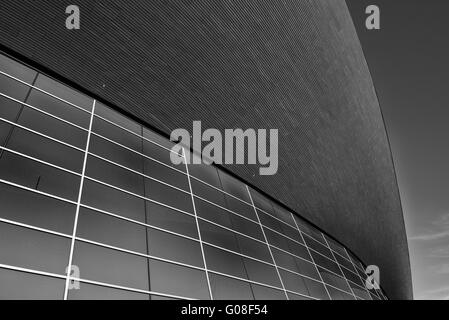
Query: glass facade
83	186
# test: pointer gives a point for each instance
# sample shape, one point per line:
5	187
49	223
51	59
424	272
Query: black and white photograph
227	150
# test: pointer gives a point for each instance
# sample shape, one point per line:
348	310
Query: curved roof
296	66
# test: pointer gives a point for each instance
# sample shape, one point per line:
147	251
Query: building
85	174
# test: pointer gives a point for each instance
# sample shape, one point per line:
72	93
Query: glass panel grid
70	110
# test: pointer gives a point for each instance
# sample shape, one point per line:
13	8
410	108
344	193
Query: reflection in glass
32	249
113	231
37	210
64	92
265	293
16	69
167	246
38	176
45	149
58	108
224	288
171	220
112	200
89	291
111	266
13	88
177	280
16	285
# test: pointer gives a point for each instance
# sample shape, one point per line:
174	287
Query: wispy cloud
439	252
439	230
442	268
434	294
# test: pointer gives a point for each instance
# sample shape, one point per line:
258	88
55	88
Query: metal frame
78	204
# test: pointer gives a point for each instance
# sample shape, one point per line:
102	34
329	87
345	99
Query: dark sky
409	62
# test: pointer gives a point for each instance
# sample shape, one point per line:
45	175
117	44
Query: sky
409	63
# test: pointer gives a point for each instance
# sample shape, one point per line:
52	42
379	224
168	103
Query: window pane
254	248
16	285
166	174
270	222
307	268
218	236
171	247
52	127
33	249
208	193
36	210
169	196
261	272
357	262
265	293
111	266
177	280
294	282
115	153
290	232
117	118
282	242
294	264
359	292
89	291
44	149
262	202
284	215
38	176
342	261
326	263
353	277
339	295
292	296
162	155
224	262
16	69
285	260
279	226
336	247
240	208
9	109
362	275
315	245
155	137
334	280
114	201
246	227
58	108
224	288
212	213
316	289
233	186
206	173
117	134
13	88
109	230
171	220
62	91
114	175
310	230
5	130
